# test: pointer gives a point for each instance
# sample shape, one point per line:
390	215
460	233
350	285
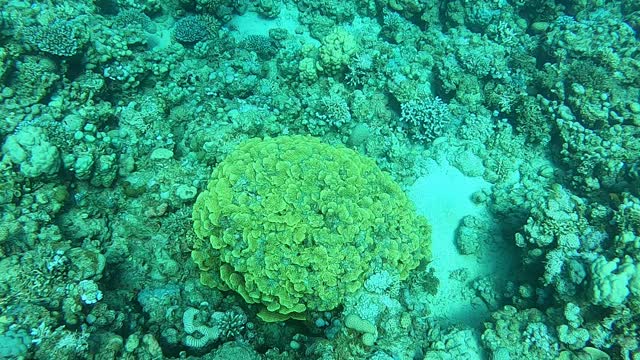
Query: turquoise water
510	127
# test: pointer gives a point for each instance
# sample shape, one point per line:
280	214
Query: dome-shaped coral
295	225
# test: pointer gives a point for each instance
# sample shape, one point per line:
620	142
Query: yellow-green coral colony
294	224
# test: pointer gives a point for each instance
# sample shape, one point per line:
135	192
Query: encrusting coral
295	225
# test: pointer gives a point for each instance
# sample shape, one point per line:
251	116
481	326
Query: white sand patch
443	196
251	23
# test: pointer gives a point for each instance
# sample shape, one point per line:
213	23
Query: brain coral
295	225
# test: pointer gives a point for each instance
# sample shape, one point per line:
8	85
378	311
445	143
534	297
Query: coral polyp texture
296	225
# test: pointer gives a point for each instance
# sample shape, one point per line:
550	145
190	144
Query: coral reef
317	118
